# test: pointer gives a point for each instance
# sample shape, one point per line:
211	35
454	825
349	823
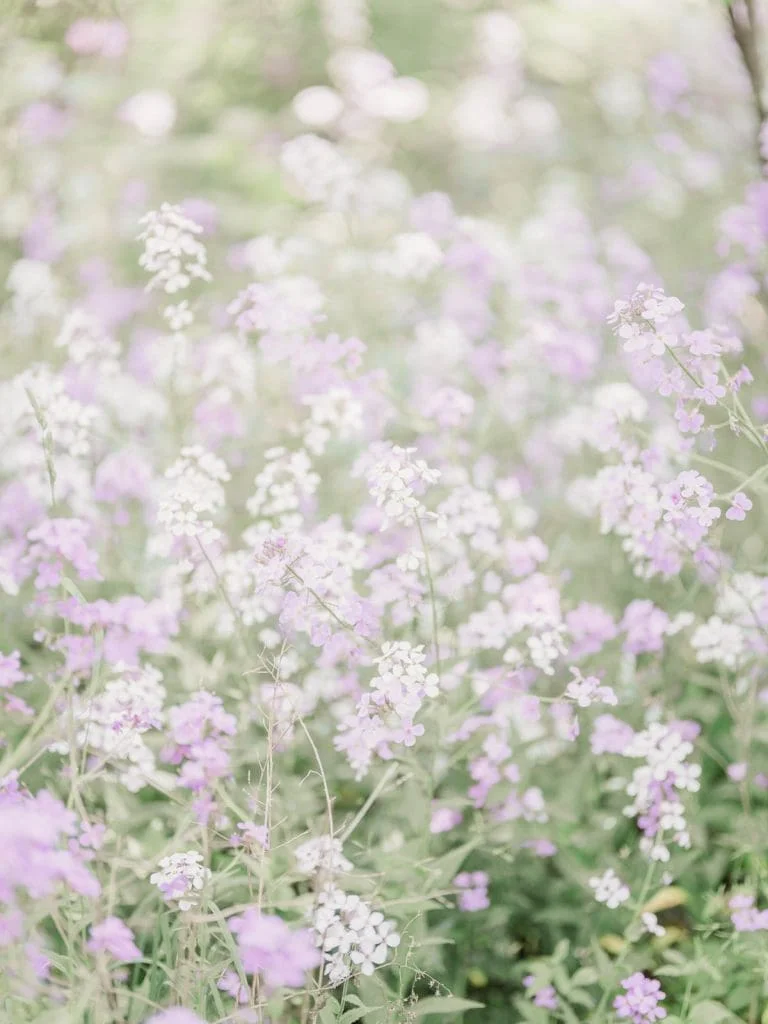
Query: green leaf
443	1004
330	1012
711	1012
585	976
350	1016
561	950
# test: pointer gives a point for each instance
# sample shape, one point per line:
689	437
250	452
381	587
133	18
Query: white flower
194	486
322	853
172	252
286	481
636	321
179	316
320	170
393	478
353	937
586	691
181	878
412	256
112	724
651	924
152	112
610	889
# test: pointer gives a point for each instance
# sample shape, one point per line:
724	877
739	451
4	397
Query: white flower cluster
733	634
412	256
530	614
321	172
393	478
286	308
36	294
597	424
335	413
385	715
636	321
721	642
353	937
286	480
69	424
181	878
472	513
545	648
586	690
173	254
113	723
195	487
656	786
609	889
87	343
266	256
321	854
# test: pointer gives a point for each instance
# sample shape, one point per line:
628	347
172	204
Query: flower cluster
173	253
194	487
640	1001
394	479
609	889
384	567
352	936
745	916
112	724
270	949
181	878
385	715
656	787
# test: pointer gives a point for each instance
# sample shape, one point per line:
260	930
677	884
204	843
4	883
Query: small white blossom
321	854
651	924
609	889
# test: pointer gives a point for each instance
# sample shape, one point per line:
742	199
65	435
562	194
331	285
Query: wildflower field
383	511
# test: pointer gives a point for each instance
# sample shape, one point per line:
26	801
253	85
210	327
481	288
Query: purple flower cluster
640	1001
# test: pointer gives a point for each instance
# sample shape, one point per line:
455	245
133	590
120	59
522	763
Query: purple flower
640	1002
268	947
114	937
546	998
740	505
474	886
746	917
444	819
